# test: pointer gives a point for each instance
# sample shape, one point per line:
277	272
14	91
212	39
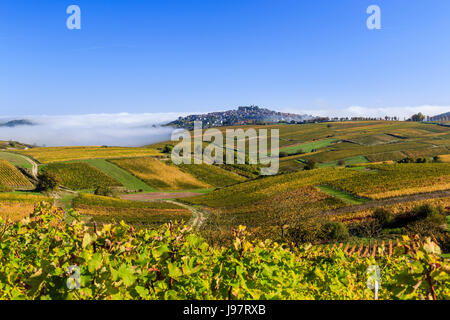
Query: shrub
406	160
283	154
105	191
437	159
305	230
311	164
429	212
383	216
421	160
428	220
335	231
48	181
341	162
167	148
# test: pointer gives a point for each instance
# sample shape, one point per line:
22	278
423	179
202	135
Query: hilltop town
241	116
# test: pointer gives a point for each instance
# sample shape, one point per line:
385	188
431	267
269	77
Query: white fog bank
123	129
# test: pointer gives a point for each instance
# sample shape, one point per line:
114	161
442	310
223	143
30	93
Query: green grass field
342	195
124	177
348	161
308	147
15	159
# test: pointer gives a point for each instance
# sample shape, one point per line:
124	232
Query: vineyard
61	154
374	140
11	177
159	175
173	262
391	180
124	177
212	175
319	195
355	215
137	213
15	211
15	206
80	176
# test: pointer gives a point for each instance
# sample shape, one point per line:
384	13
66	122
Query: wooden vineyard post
360	248
366	251
352	249
374	249
346	247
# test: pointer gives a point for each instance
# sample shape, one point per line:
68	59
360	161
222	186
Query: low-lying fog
128	130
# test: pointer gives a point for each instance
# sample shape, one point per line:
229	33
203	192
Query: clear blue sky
196	56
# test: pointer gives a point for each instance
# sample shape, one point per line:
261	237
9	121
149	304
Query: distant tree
283	154
437	159
167	148
105	191
48	181
421	160
418	117
406	160
369	229
341	162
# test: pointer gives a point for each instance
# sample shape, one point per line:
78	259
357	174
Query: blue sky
198	56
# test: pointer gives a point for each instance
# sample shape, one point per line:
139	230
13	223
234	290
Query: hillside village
241	116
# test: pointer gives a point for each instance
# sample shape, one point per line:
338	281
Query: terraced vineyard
159	175
212	175
396	180
359	213
11	177
138	213
255	203
17	206
60	154
80	176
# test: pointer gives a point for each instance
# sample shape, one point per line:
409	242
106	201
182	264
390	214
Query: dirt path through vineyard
198	215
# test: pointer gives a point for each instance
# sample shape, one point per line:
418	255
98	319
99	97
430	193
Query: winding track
34	166
198	215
